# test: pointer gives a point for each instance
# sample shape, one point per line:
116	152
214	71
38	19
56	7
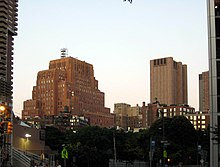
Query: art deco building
214	75
69	84
168	81
204	92
8	29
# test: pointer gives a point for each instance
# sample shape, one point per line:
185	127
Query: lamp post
27	136
163	141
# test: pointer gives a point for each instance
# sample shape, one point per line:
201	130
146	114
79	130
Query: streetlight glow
27	135
2	108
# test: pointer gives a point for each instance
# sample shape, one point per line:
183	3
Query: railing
36	158
20	157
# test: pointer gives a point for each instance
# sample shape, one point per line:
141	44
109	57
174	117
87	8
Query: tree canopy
94	146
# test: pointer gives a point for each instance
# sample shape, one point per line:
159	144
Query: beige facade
68	84
168	81
204	92
127	117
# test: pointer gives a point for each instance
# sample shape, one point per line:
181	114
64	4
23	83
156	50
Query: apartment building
8	29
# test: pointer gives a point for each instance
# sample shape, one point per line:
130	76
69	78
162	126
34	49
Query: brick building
200	120
153	111
204	92
68	84
149	114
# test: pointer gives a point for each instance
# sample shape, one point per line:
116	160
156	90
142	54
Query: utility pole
115	158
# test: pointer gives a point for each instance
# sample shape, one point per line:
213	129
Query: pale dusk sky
118	38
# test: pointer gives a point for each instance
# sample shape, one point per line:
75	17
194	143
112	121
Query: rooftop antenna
129	1
64	52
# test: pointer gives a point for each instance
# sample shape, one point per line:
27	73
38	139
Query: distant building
66	121
168	81
8	29
204	92
149	114
153	111
69	84
127	117
200	120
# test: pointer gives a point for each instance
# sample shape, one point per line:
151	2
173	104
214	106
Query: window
218	48
218	68
217	27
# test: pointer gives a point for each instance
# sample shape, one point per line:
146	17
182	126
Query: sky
118	38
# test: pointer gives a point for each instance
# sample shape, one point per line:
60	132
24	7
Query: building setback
68	84
204	92
8	29
168	81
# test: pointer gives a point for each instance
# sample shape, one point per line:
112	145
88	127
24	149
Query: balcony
3	62
2	72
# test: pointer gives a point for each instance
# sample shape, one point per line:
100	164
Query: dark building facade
68	85
8	29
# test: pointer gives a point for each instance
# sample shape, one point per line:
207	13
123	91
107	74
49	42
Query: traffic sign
64	153
165	154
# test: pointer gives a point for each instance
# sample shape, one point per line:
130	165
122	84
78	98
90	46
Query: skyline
118	38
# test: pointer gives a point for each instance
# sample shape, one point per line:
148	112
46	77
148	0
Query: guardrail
20	157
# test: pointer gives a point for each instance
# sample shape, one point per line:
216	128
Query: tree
54	138
92	146
180	136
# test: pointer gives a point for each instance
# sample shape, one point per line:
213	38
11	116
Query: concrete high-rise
8	29
68	85
168	81
214	76
204	91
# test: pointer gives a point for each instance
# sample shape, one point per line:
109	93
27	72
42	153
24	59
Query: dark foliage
94	146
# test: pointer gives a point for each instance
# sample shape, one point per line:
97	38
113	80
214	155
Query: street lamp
2	108
27	136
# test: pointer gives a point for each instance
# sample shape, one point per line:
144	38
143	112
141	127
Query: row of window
160	61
